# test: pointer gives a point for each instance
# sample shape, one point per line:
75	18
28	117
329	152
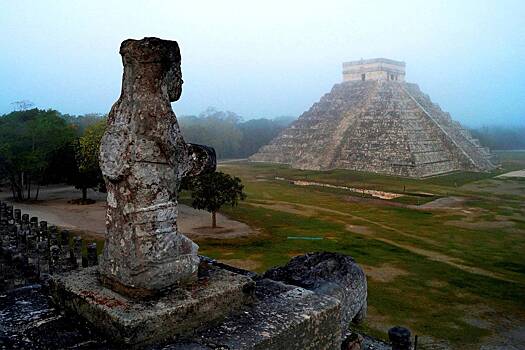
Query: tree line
40	147
229	134
501	137
234	138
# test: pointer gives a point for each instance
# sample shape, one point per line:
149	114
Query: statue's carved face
174	81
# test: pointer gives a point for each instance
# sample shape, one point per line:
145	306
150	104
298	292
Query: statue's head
162	55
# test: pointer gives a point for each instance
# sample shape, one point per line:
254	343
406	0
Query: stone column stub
143	158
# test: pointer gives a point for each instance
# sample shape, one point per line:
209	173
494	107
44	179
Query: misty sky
267	58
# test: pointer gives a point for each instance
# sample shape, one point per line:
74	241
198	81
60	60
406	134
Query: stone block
284	317
333	274
177	312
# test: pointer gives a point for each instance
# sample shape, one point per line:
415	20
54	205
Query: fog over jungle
266	59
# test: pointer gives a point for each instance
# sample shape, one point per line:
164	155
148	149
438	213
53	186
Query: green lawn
449	275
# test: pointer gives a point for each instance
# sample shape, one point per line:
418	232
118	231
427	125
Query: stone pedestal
179	312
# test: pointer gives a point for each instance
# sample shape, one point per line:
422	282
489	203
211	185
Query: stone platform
284	317
179	312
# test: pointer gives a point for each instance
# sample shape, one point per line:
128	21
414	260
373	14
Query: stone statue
143	158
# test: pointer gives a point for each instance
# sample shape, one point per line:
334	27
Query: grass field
452	270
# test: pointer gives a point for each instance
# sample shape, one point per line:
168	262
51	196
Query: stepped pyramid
374	121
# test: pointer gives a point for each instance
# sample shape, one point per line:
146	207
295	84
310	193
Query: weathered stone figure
143	158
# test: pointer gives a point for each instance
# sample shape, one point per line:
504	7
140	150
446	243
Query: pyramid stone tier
380	126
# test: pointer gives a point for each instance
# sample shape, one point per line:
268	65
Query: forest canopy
229	134
501	138
40	147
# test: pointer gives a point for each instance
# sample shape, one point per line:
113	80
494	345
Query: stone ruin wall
31	251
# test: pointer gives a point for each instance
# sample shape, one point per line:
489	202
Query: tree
28	139
22	105
211	191
87	158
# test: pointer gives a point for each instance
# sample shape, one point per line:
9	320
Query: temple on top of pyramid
374	69
374	121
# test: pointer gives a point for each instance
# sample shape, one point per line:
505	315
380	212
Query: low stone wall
31	251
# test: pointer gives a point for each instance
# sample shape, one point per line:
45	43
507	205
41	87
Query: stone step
284	317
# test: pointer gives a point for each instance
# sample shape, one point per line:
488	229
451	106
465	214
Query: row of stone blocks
36	249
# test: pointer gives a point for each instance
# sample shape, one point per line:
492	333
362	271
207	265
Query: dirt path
517	173
444	203
310	210
55	209
373	193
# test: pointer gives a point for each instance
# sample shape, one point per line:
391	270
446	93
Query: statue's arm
114	153
189	159
201	159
